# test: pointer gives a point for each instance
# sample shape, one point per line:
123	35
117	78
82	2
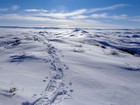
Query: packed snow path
55	90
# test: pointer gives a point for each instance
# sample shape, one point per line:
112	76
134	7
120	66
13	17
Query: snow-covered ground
69	67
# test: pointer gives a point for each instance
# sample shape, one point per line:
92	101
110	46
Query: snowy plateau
58	66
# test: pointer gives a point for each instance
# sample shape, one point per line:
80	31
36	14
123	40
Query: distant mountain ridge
39	27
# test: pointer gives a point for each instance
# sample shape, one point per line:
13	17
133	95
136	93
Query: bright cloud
79	17
62	14
113	7
35	10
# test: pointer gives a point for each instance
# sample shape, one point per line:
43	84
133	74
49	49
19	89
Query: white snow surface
69	66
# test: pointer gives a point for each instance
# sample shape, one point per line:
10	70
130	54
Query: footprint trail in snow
56	90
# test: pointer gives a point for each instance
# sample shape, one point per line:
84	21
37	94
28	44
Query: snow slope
69	67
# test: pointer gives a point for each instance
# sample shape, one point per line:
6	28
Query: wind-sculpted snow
69	66
128	42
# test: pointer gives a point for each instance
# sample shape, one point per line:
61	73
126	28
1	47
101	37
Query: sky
71	13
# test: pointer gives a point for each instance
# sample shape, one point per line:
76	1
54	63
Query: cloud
134	19
22	17
35	10
105	15
113	7
79	17
53	22
14	7
123	17
62	14
76	14
3	9
76	18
